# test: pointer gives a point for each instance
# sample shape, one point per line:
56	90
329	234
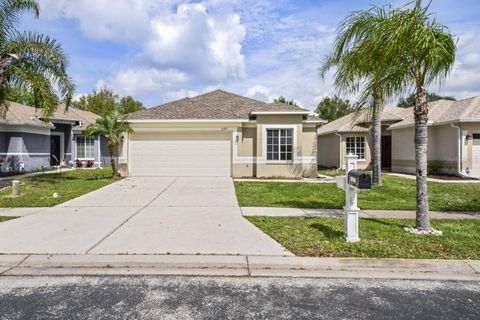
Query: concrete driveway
142	216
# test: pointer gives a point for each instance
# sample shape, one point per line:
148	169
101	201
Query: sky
159	51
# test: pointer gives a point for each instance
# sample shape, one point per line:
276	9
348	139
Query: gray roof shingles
215	105
446	111
19	114
352	122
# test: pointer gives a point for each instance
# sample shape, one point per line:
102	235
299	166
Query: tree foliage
331	109
31	61
410	100
128	105
408	49
105	101
19	95
284	100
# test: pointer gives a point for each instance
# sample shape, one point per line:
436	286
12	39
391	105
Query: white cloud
118	20
178	45
261	93
261	48
195	41
134	81
465	77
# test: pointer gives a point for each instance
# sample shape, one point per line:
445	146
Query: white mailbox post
350	210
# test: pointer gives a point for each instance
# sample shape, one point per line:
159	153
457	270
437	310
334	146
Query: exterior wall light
468	137
237	138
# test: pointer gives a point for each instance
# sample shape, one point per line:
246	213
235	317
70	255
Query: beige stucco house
221	134
454	138
351	134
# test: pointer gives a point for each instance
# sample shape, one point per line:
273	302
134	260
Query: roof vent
35	117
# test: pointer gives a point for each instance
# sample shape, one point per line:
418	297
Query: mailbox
359	179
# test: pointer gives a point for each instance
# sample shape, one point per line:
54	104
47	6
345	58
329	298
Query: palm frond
41	87
112	126
40	59
11	12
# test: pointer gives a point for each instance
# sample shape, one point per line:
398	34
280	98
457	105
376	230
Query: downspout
459	151
340	136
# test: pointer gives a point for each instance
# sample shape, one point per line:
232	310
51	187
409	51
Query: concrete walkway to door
142	216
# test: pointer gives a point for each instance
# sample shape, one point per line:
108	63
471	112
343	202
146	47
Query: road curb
238	266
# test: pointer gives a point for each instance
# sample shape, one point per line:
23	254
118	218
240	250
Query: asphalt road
234	298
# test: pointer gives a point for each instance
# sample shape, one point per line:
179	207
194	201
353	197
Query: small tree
331	109
128	105
410	100
356	63
284	100
105	101
112	126
100	102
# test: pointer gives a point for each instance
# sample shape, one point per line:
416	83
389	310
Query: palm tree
112	126
31	61
356	63
422	51
414	51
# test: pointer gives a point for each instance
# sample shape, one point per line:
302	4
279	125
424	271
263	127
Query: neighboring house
453	138
27	143
221	134
351	135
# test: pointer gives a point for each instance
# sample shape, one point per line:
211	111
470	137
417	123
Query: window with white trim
85	147
279	144
356	146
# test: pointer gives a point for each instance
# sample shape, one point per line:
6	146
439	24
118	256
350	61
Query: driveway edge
239	266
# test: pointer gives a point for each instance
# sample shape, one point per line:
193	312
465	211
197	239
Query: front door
54	150
387	152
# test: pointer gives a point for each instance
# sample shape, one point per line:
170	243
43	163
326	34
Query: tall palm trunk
421	143
376	133
111	150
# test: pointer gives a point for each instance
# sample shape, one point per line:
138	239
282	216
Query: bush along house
28	143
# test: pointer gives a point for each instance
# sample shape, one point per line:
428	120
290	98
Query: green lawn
380	238
324	171
37	191
395	194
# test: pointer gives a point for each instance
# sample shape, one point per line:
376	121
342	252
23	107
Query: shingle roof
19	114
446	111
85	118
215	105
352	122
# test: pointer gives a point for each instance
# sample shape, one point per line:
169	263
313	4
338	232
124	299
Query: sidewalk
19	212
297	212
238	266
413	177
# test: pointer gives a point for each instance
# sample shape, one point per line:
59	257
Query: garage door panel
180	154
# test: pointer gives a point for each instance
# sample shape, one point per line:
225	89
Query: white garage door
476	155
179	154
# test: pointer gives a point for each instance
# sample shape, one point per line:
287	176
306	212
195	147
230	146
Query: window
279	144
356	146
85	148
